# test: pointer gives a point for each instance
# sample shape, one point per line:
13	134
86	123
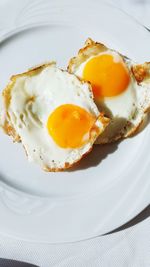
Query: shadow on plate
97	155
143	215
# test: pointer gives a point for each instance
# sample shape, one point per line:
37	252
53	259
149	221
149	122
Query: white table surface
130	247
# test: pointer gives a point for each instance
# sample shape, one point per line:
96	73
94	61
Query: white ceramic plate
112	184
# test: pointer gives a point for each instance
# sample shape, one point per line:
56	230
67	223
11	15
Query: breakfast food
121	88
53	114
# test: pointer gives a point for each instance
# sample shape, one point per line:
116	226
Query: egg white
121	107
122	104
33	99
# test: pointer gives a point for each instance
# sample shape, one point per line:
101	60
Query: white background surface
130	247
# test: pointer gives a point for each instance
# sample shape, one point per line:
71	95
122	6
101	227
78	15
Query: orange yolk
108	78
69	126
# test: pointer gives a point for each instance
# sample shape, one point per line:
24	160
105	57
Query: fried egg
53	114
121	88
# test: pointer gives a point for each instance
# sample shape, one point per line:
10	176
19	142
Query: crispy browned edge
67	165
9	130
141	72
82	53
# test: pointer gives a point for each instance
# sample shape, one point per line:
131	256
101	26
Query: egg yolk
108	78
69	126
